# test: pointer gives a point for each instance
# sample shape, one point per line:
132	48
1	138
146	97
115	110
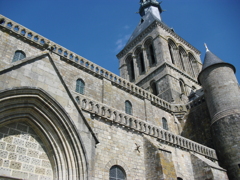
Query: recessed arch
140	60
130	68
194	64
52	124
173	50
182	57
150	50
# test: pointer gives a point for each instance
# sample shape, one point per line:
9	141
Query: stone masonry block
23	158
33	153
20	174
39	170
2	145
12	156
10	147
3	154
15	165
5	171
21	150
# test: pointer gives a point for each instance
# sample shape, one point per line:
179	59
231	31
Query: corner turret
222	95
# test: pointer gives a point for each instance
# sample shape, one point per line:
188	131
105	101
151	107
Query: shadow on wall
197	125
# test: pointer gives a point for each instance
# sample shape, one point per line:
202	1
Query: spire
211	59
150	5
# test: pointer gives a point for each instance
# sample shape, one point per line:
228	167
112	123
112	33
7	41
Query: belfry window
164	124
130	68
153	60
193	64
172	50
117	173
19	55
142	62
182	55
150	51
128	107
80	85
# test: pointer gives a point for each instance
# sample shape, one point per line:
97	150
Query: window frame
165	124
18	55
128	107
80	86
116	177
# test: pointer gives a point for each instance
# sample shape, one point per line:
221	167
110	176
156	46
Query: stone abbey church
167	117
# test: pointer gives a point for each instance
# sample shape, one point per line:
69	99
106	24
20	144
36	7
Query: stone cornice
129	122
149	29
172	67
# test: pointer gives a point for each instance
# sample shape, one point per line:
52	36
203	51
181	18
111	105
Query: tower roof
150	11
211	59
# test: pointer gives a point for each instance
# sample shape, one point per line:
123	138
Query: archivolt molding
51	122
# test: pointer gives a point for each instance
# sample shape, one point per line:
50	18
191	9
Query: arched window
128	107
172	50
153	87
194	65
150	51
130	68
117	173
164	123
182	55
80	85
18	56
182	86
152	55
140	60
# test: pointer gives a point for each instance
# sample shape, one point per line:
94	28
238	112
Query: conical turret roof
211	59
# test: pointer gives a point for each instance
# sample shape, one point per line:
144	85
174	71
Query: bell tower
157	59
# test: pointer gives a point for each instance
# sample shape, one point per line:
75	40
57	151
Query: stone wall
197	123
22	153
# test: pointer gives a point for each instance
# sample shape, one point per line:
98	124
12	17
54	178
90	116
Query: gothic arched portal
38	129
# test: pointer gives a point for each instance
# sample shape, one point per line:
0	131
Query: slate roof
211	59
145	21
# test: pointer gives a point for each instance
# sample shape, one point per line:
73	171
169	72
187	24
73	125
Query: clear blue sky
98	29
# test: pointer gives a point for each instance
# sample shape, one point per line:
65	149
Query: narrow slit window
164	124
